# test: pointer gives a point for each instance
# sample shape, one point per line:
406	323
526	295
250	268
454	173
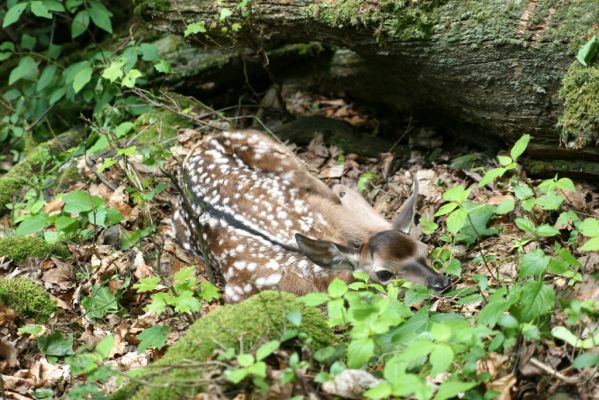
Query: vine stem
480	249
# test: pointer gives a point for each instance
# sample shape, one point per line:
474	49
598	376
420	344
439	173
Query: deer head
387	254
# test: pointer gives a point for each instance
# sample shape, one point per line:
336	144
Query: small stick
568	379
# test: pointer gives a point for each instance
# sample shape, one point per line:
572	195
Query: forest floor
102	273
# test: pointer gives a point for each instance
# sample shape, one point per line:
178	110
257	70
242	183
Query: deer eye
384	275
342	194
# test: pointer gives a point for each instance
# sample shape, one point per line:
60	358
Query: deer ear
405	220
327	254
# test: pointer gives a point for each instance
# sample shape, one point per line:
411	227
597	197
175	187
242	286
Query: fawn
251	208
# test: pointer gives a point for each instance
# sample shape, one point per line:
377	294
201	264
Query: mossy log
182	372
27	298
21	248
497	67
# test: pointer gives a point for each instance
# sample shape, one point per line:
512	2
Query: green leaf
448	390
57	95
55	345
491	175
47	77
428	225
533	263
441	332
441	358
546	231
196	27
525	224
591	245
365	178
565	184
359	352
519	147
457	194
79	201
149	52
314	299
258	369
100	16
64	223
563	333
295	317
30	329
26	69
100	302
475	226
588	51
114	71
147	284
39	9
82	78
209	291
505	207
79	24
54	5
504	160
185	302
537	299
380	391
456	220
153	338
523	191
337	288
495	307
13	14
589	227
446	209
105	346
163	66
225	13
550	201
33	224
236	375
245	360
267	349
28	42
585	360
130	78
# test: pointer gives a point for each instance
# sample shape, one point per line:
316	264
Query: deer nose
439	282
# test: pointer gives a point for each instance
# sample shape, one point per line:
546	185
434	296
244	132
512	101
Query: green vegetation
20	248
27	298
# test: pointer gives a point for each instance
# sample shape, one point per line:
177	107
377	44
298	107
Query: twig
550	370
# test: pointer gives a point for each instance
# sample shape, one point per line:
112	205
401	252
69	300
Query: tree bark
491	67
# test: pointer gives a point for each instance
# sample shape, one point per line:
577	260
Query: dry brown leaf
119	200
46	374
503	385
62	276
317	146
8	355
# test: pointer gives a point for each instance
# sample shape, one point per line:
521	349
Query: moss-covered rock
580	94
261	315
27	298
20	248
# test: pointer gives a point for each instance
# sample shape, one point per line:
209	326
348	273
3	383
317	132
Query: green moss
246	322
400	19
155	126
579	123
141	7
27	298
19	248
15	179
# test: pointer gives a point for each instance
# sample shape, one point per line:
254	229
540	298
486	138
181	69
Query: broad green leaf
591	245
359	352
475	226
337	288
53	5
586	360
105	346
505	207
82	78
533	263
153	338
100	302
236	375
364	179
163	66
28	42
130	78
267	349
525	224
504	160
79	201
519	147
30	329
47	77
491	175
457	194
245	360
546	231
257	369
79	24
456	220
428	225
565	184
65	223
55	345
147	284
588	51
550	201
448	390
314	299
563	333
13	14
196	27
380	391
295	317
523	191
159	303
57	95
441	358
114	71
537	299
589	227
39	9
209	291
225	13
495	307
149	52
446	209
186	302
100	16
26	69
33	224
441	332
